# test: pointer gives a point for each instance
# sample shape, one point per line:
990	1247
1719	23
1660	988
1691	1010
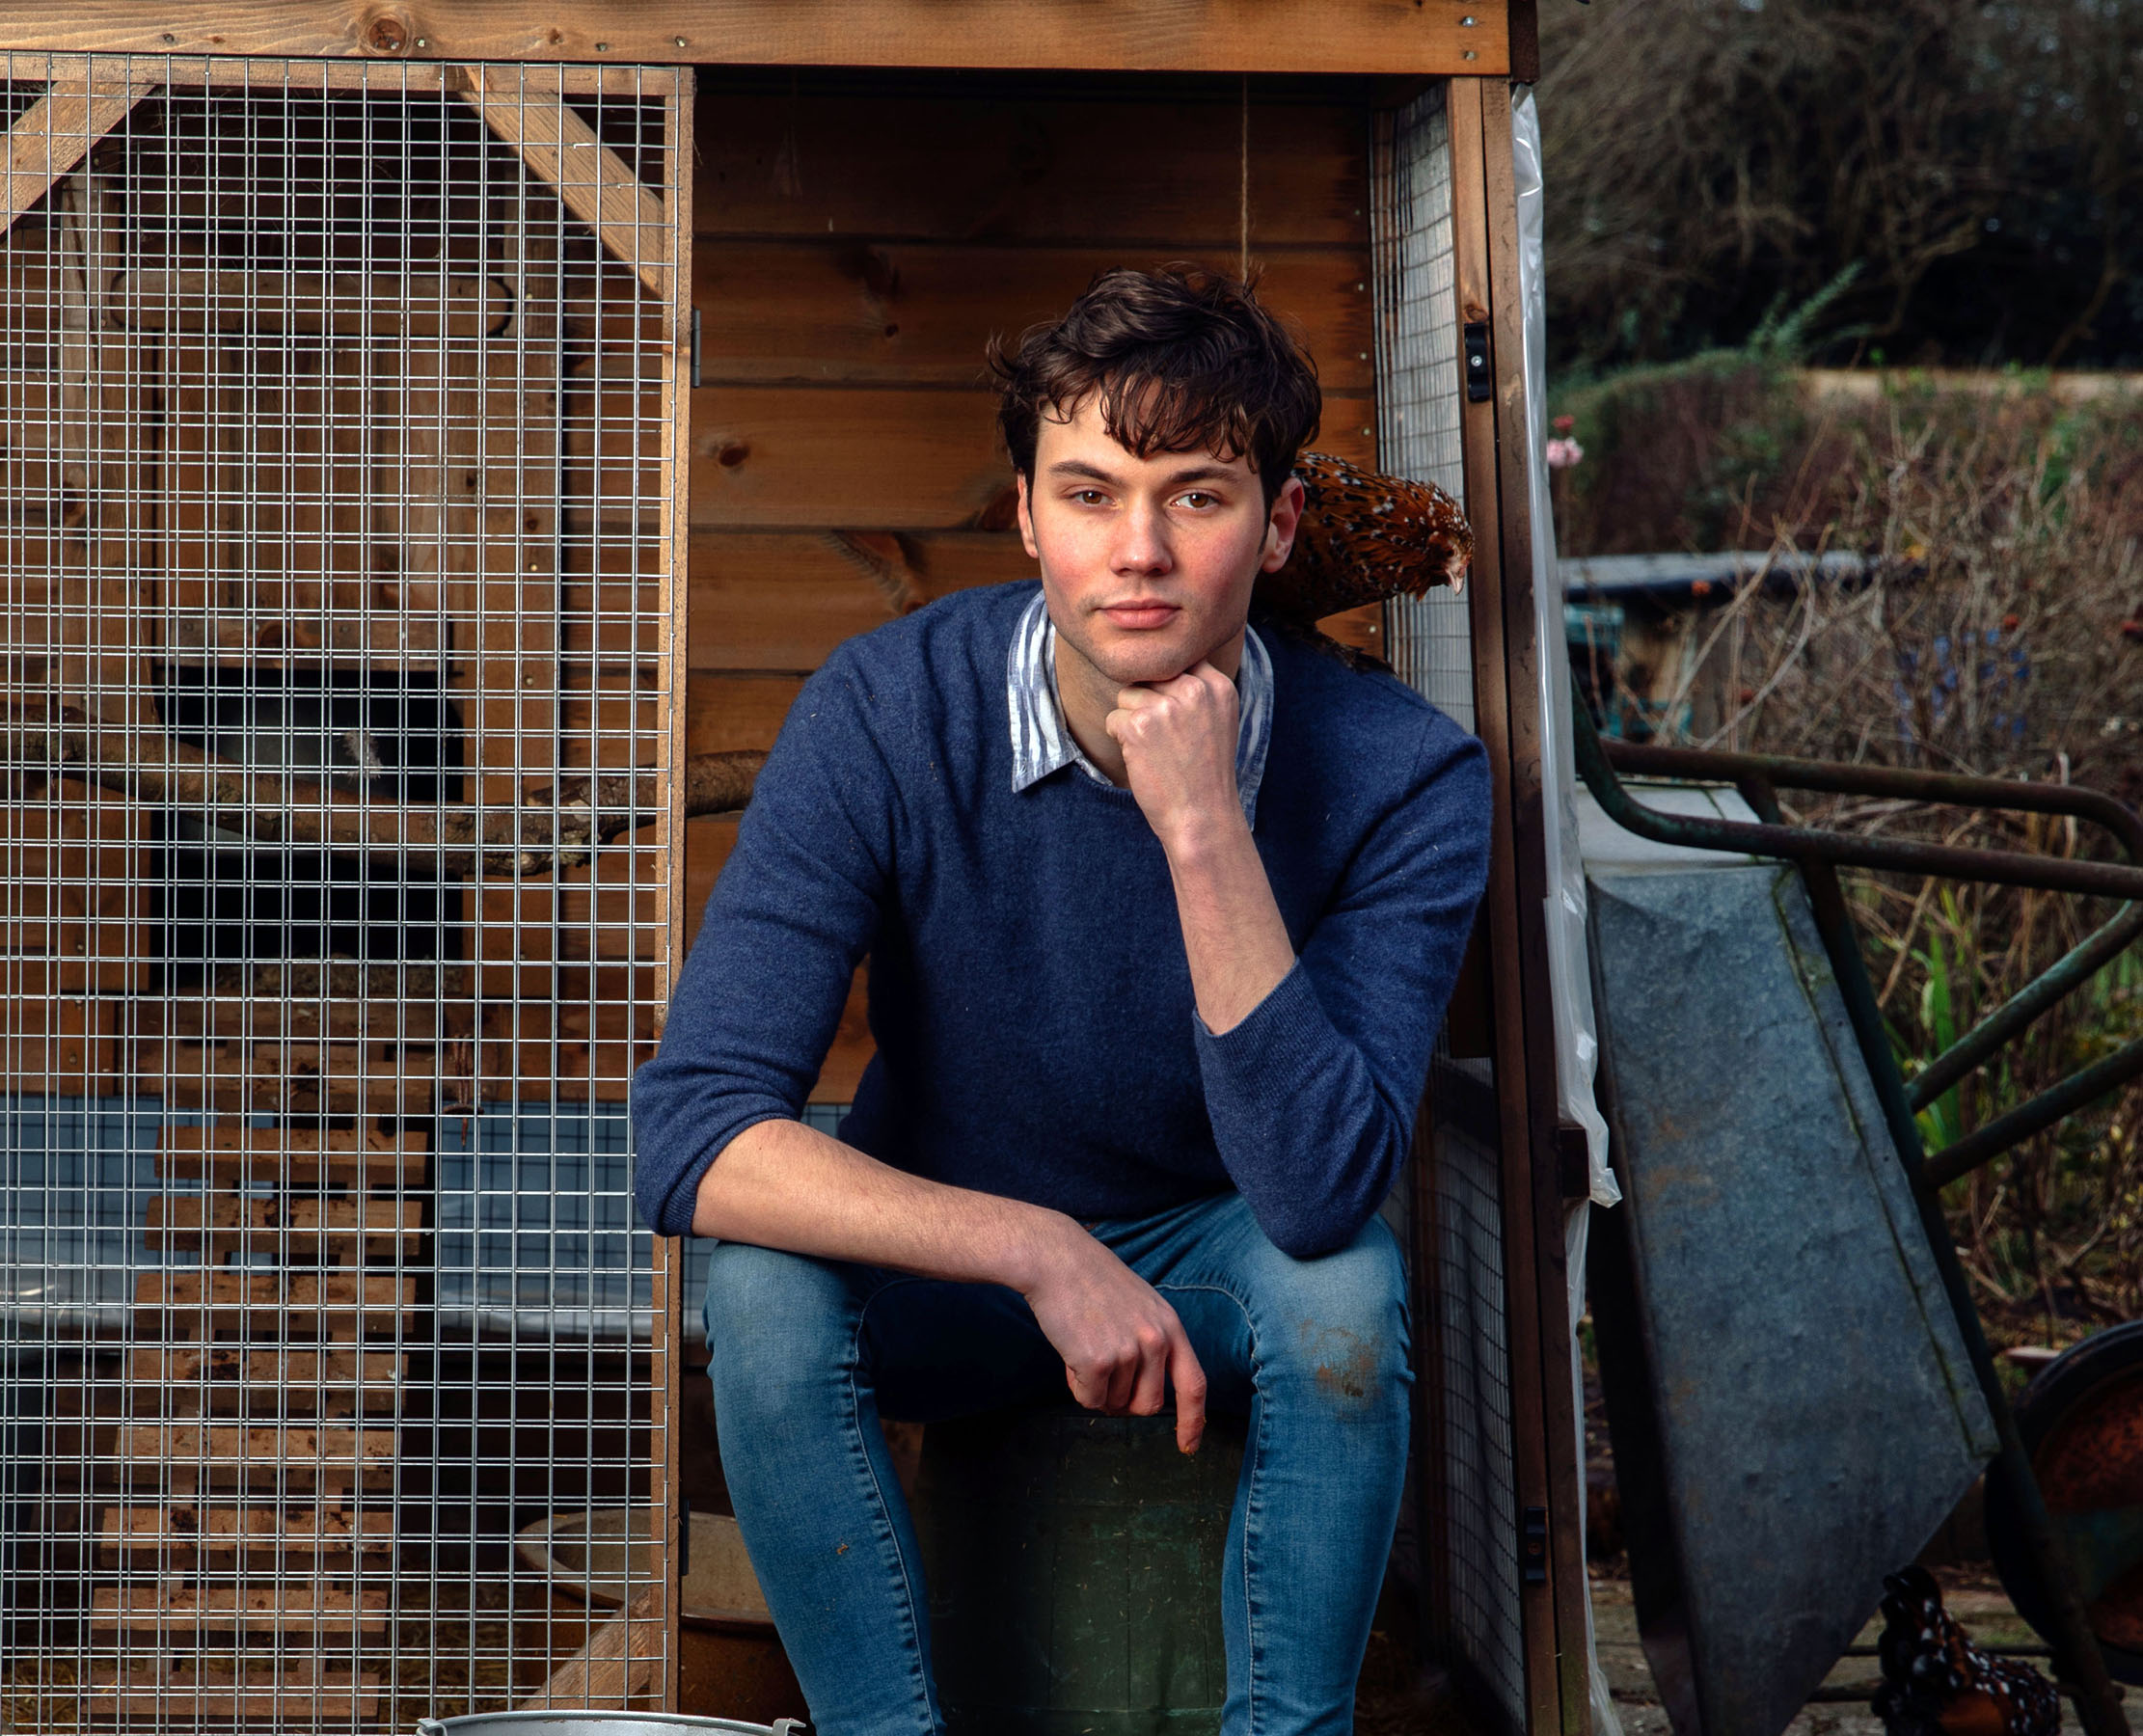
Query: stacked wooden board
257	1448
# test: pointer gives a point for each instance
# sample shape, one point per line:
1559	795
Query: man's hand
1123	1346
1179	741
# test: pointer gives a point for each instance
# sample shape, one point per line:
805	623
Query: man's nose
1142	542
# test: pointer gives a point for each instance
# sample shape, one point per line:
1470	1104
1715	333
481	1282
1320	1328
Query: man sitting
1162	915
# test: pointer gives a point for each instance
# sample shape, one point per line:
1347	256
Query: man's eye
1197	500
1090	497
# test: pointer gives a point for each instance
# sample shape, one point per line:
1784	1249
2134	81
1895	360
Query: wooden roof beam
1401	36
52	136
594	183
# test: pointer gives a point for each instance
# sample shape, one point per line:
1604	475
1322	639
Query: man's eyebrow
1077	466
1196	472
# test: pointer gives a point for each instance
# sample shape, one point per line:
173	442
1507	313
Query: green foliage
1941	1121
1791	335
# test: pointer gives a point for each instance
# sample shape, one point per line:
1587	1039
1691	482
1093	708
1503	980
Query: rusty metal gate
338	552
1466	1487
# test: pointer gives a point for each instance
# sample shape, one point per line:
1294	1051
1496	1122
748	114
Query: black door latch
1475	360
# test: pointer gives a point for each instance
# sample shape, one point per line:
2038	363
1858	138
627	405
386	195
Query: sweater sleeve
1312	1094
796	907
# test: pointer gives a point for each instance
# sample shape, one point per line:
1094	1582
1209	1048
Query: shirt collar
1043	744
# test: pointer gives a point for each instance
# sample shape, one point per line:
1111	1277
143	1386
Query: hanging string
1242	269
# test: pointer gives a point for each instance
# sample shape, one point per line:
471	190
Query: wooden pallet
180	1536
259	1445
284	1695
192	1458
335	1307
251	1156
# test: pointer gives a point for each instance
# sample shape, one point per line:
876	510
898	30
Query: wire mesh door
340	513
1467	1489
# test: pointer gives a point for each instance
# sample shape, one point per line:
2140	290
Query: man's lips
1141	615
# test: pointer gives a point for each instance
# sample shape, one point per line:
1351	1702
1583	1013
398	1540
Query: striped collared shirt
1042	743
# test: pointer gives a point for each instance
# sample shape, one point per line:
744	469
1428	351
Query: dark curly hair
1180	359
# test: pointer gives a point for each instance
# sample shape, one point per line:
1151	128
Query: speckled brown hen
1364	538
1935	1682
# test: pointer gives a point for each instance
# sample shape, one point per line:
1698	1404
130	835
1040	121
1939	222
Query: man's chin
1146	666
1133	660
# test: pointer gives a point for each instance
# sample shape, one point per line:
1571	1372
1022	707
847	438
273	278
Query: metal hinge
1533	1545
694	373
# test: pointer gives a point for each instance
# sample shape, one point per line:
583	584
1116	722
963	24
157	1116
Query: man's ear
1281	527
1027	516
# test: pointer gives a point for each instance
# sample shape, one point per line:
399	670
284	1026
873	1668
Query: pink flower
1563	424
1565	454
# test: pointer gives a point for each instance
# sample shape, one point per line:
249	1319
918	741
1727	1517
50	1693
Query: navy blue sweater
1029	995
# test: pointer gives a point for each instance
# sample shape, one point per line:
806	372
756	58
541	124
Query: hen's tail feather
1935	1682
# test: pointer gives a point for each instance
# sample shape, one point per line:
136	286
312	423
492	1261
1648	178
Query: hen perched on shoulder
1938	1683
1364	538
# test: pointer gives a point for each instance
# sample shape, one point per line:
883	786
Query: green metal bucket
1075	1566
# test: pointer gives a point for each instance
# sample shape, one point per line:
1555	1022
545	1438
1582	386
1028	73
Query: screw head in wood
387	36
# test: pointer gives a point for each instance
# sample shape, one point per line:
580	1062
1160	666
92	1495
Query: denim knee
777	1325
1334	1329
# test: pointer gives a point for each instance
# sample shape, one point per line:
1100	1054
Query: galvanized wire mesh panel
337	551
1474	1517
1417	372
1467	1493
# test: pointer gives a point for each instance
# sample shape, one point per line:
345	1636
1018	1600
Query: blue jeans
808	1355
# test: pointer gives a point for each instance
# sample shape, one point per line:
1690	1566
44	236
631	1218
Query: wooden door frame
1506	657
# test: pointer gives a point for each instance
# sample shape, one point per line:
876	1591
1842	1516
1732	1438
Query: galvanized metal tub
593	1723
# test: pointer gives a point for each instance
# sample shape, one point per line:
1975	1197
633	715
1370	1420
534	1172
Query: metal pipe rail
1599	762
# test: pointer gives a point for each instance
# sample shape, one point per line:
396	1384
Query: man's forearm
1234	935
782	1184
1178	741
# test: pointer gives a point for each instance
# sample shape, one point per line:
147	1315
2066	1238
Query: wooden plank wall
856	242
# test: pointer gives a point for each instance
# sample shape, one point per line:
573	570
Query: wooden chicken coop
431	430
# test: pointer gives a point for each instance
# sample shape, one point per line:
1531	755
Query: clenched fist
1178	741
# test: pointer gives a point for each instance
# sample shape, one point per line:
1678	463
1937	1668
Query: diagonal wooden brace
593	180
53	135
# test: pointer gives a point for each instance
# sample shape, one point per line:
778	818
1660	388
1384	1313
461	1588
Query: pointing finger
1190	1392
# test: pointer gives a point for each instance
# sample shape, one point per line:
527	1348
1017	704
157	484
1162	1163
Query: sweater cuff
1281	1038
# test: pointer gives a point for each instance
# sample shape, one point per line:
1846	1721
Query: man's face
1147	562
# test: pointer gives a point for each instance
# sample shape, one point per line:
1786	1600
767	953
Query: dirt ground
1975	1599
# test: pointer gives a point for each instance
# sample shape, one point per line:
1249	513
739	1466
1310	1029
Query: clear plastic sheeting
1576	1038
1569	970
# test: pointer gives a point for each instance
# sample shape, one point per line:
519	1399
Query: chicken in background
1365	537
1935	1682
